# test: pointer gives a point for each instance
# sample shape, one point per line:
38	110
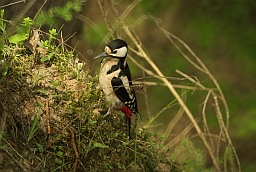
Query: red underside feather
126	111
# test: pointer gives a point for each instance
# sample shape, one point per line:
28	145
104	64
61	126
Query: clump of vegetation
51	115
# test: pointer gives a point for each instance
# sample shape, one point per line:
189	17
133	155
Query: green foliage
17	38
49	46
43	18
53	34
2	23
193	158
2	29
36	79
4	69
53	14
8	54
94	144
22	31
33	128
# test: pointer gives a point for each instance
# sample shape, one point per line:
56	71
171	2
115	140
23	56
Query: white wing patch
127	86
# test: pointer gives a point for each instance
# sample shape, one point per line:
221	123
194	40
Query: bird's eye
114	52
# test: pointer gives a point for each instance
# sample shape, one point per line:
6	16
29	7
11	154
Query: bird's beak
102	55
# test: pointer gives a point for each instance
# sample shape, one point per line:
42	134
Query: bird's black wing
119	89
124	92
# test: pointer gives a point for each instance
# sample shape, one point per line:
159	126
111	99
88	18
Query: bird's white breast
105	80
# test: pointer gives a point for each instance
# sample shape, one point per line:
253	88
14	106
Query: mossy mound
51	119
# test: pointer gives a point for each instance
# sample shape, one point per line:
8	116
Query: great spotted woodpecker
115	80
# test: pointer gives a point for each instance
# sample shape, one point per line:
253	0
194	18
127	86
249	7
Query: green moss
55	119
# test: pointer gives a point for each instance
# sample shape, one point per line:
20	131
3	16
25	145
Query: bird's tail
128	121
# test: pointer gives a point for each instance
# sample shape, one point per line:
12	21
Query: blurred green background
221	32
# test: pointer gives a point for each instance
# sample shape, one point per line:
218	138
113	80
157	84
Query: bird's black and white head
116	49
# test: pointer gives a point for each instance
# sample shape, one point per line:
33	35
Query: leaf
40	147
92	122
54	83
33	128
15	39
60	154
42	91
43	59
53	33
48	57
27	22
93	145
37	78
58	161
2	21
5	69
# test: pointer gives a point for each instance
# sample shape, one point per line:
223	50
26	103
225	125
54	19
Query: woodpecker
115	80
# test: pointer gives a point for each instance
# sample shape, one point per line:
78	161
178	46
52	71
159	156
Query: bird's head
115	49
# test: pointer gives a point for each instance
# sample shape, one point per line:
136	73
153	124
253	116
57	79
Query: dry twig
75	149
